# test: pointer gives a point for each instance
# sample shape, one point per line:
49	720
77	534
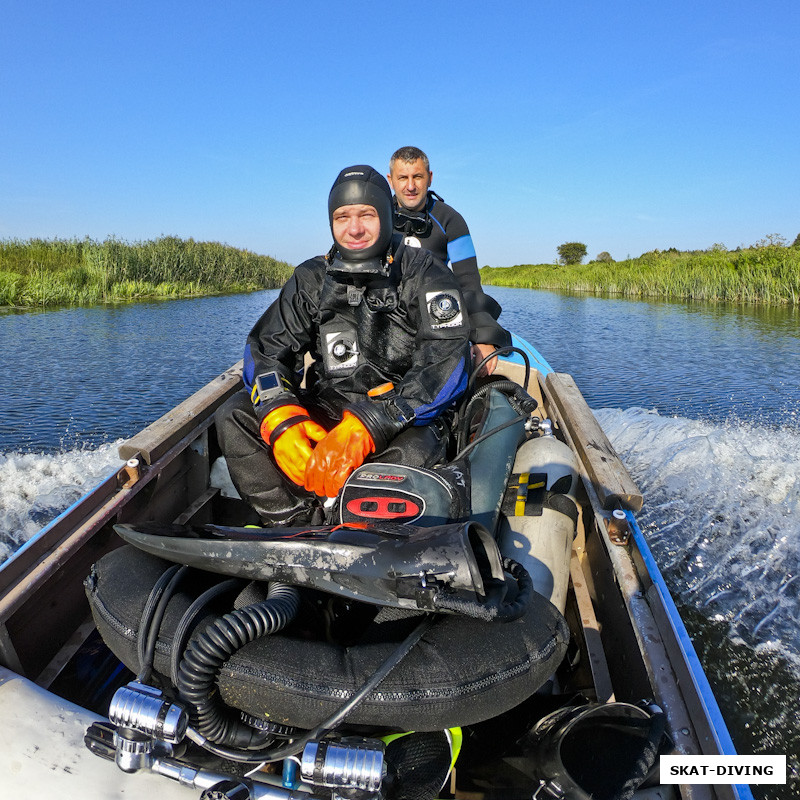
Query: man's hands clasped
311	457
337	455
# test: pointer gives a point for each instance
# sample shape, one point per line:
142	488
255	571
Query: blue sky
624	125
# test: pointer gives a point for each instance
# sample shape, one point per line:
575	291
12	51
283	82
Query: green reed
768	274
43	273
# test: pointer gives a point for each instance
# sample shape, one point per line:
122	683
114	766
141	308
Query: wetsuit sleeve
483	310
439	372
279	339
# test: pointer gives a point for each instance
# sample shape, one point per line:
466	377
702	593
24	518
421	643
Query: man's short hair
409	154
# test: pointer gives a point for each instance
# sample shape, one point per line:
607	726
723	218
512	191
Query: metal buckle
551	788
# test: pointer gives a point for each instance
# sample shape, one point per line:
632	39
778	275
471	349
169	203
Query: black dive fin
455	567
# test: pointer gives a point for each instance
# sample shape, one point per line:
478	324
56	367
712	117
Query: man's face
356	227
410	181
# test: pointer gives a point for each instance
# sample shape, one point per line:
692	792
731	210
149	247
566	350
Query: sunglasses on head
412	224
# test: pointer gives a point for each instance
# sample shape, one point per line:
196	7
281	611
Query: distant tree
571	252
796	242
718	247
604	257
771	240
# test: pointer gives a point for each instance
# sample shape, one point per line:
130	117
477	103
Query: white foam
36	487
721	516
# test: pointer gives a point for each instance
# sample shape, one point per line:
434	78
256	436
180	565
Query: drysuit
408	328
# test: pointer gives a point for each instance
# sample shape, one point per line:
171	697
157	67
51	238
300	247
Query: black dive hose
500	351
189	619
475	442
518	395
209	649
297	745
494	610
509	388
152	616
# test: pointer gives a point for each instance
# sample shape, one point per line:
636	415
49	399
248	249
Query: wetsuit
409	328
441	229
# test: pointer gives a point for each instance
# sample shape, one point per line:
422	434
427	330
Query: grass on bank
43	273
767	274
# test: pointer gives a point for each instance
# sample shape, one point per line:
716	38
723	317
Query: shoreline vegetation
767	273
39	273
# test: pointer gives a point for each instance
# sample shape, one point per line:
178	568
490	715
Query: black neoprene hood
359	185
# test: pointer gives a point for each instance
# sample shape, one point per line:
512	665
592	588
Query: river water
701	401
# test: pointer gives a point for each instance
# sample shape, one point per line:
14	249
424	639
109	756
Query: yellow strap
454	735
392	736
522	495
456	740
522	492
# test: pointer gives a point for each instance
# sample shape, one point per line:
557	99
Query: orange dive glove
337	455
290	431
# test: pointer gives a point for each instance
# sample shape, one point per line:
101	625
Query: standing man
427	221
386	327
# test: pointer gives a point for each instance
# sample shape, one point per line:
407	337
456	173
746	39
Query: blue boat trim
706	694
537	360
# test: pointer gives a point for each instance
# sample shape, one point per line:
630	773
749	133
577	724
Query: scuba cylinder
540	513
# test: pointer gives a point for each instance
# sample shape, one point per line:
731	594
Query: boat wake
721	516
36	487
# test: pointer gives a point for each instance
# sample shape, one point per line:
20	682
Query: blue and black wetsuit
442	230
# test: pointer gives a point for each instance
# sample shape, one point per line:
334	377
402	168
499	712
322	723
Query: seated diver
388	332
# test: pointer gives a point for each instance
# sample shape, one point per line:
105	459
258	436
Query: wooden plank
9	657
39	573
151	443
35	609
62	657
196	507
591	633
613	483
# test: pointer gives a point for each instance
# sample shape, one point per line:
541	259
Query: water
76	378
700	400
721	516
35	487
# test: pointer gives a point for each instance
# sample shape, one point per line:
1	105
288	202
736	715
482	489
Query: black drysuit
410	329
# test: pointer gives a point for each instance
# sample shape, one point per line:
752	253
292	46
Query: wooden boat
628	647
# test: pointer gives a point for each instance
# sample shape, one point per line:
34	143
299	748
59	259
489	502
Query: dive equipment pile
342	660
